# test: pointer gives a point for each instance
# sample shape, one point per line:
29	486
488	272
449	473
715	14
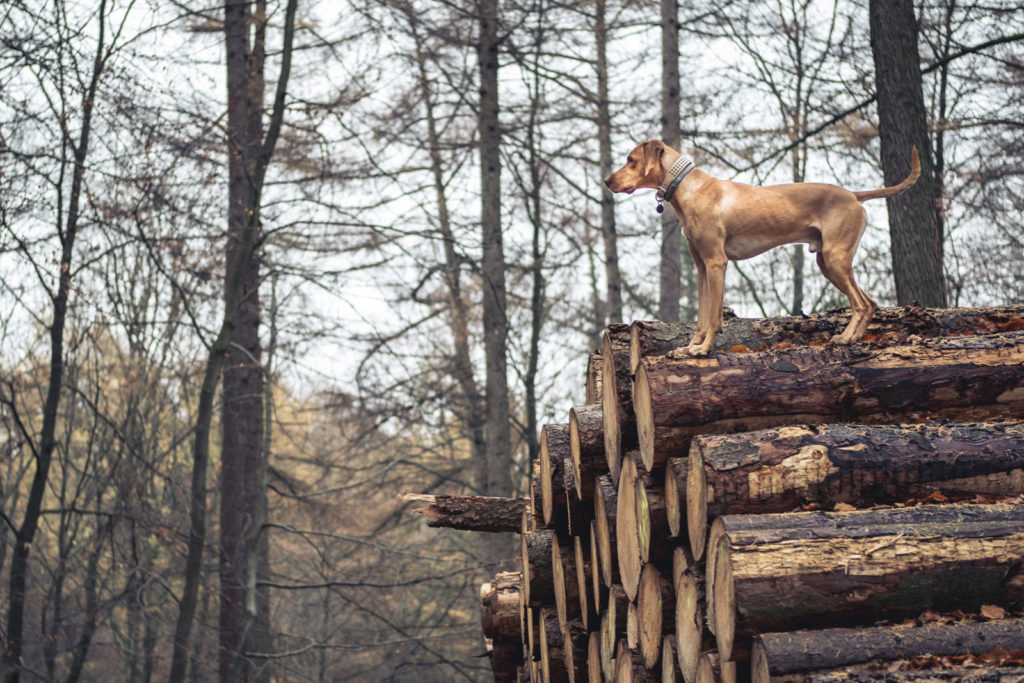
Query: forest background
266	265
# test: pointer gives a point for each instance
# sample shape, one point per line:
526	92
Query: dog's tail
915	172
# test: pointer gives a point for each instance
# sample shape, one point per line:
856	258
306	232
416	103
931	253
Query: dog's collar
683	165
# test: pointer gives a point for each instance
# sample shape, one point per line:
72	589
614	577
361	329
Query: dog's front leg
709	315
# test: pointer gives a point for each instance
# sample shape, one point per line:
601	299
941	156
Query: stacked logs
784	509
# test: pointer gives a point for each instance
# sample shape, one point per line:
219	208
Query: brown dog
724	221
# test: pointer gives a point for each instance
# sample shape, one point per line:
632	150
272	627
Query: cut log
471	513
500	607
655	602
574	651
582	578
554	452
627	542
660	338
616	397
535	555
777	654
613	628
691	638
867	674
594	673
593	382
651	519
670	672
532	651
629	666
632	626
777	470
815	569
675	495
595	571
605	523
713	670
961	378
586	447
563	577
505	656
552	661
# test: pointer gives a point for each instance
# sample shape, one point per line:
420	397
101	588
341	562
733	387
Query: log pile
782	510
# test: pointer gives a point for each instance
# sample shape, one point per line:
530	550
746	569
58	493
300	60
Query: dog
724	220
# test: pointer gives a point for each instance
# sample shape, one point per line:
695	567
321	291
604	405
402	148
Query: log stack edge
782	510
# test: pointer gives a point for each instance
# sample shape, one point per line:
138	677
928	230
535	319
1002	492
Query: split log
629	666
586	447
575	641
675	495
563	578
613	628
616	397
471	513
552	660
660	338
655	603
670	672
500	609
554	452
605	523
777	654
627	542
777	470
535	555
815	569
962	378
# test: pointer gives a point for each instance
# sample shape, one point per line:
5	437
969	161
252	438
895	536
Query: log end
644	416
696	501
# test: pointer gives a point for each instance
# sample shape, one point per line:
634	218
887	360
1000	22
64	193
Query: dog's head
642	169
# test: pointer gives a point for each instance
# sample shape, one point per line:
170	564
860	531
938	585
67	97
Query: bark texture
472	513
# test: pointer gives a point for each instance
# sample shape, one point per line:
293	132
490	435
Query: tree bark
472	513
563	580
538	578
670	271
807	570
777	654
552	661
867	674
960	378
777	470
913	216
594	385
575	644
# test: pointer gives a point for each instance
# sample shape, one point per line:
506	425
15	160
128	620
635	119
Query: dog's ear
653	151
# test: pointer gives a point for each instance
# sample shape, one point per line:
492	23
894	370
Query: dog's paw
697	350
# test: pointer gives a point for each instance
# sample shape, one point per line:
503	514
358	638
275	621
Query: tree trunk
538	577
581	561
627	542
691	636
563	580
613	628
655	603
575	644
552	661
777	654
960	378
472	513
594	385
613	276
807	570
778	470
495	478
675	495
866	674
903	123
